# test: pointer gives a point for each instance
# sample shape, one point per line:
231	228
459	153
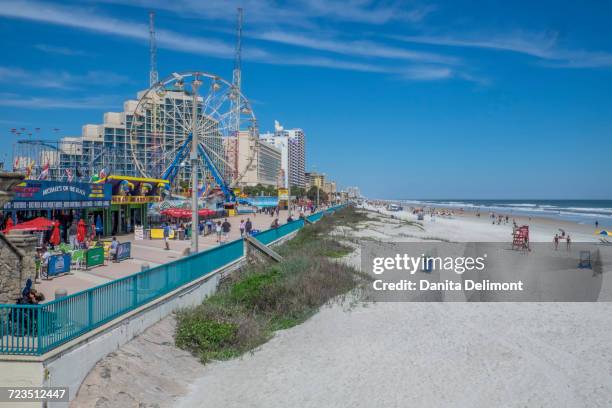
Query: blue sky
407	99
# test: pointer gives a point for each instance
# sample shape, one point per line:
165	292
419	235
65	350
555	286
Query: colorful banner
94	257
44	194
58	264
124	251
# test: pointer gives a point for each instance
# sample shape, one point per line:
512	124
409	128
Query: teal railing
271	235
36	329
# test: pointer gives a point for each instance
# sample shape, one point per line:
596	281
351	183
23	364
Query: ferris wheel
169	113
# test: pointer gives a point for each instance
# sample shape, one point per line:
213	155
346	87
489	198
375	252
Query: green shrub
195	333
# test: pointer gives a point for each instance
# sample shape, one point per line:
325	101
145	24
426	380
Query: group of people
559	237
500	219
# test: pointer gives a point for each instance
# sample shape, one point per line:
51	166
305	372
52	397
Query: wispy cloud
48	79
544	46
410	73
294	13
88	19
353	48
54	102
55	49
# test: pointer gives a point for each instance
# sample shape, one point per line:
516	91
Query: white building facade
292	143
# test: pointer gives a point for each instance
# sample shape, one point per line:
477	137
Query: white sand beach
401	354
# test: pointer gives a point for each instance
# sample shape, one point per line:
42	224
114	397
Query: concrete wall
10	271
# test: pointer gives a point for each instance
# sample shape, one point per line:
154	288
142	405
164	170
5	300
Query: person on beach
596	224
248	226
226	226
241	228
568	241
218	230
556	241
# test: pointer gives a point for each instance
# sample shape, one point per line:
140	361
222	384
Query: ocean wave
586	214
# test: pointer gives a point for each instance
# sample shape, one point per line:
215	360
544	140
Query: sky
405	99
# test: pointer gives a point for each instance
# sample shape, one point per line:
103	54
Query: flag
29	170
69	175
102	174
45	172
16	164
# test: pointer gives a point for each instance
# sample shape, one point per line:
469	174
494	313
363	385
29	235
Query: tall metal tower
237	73
153	76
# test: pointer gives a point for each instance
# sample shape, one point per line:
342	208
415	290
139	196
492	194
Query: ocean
581	211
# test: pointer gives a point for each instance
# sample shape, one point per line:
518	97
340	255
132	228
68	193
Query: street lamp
194	165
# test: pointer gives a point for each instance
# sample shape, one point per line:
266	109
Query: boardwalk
149	252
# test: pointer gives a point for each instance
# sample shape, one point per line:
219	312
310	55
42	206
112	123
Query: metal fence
36	329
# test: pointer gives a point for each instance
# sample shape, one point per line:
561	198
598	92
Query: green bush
195	333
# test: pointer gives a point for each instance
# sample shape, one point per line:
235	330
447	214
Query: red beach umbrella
36	224
9	225
205	212
81	231
55	234
176	213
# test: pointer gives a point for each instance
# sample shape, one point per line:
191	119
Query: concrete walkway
151	252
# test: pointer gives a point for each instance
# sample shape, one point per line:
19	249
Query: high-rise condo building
292	143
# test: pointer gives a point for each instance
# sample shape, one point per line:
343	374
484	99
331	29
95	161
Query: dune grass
263	297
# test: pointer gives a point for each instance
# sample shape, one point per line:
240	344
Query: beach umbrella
81	231
55	234
9	225
36	224
176	212
205	212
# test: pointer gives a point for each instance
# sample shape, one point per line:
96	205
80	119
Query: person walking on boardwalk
167	236
248	226
226	226
72	234
218	231
242	228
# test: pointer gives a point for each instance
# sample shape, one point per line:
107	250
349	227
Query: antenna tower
153	76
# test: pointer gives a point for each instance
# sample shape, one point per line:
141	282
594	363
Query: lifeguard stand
520	238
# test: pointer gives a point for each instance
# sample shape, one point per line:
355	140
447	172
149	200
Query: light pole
194	165
289	199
